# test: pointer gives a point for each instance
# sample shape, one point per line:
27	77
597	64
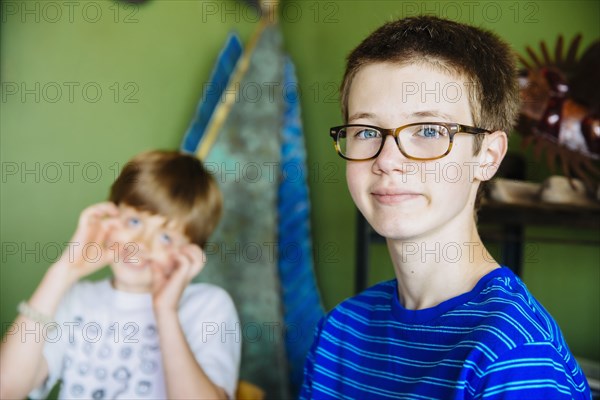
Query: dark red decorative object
560	110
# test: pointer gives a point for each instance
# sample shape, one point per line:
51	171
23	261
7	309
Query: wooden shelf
540	214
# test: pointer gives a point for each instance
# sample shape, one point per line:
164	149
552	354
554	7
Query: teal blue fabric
262	251
302	303
242	253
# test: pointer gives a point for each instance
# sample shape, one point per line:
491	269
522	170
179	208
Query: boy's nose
144	240
390	145
390	158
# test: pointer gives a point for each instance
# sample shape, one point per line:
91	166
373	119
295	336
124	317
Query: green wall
60	150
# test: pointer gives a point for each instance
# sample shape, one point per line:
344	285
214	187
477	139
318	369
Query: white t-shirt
105	344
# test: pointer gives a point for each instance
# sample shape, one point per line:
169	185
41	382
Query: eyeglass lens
419	141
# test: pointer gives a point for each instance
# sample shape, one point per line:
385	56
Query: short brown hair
480	57
174	185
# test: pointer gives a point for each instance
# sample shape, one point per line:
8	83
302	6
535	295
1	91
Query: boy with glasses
428	104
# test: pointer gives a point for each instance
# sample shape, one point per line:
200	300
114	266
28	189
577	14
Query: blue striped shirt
494	342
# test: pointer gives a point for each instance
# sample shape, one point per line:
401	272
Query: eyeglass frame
452	127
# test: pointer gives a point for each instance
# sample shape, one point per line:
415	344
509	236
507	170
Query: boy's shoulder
504	302
206	298
205	291
377	299
86	298
499	300
90	291
376	295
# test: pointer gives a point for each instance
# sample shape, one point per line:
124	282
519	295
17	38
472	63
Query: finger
107	226
195	253
183	262
103	235
106	208
158	278
183	269
95	214
196	256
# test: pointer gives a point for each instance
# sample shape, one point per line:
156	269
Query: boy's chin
124	285
131	274
404	232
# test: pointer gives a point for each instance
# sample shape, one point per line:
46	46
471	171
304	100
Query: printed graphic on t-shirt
111	361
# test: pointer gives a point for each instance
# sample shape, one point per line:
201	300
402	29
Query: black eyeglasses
421	141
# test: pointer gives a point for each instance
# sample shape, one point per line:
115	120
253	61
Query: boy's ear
493	150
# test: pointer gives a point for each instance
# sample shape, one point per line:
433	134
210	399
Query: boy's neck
440	266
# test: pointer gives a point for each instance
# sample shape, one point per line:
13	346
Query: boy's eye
430	132
165	238
133	221
367	134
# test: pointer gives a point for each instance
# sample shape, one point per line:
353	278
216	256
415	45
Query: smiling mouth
135	263
394	198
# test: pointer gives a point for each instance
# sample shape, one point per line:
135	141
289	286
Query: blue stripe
413	345
525	385
366	388
459	330
212	92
